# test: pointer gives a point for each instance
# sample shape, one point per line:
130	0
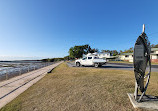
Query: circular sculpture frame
141	59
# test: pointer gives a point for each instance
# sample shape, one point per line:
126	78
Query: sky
48	28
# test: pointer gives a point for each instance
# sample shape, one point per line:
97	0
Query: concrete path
13	87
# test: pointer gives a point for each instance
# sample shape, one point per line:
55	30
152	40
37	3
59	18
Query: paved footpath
13	87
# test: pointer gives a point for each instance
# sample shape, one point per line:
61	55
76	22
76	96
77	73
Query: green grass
84	89
120	62
152	63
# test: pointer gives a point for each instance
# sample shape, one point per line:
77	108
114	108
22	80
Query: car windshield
84	58
89	57
96	57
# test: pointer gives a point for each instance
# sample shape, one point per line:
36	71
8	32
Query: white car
90	61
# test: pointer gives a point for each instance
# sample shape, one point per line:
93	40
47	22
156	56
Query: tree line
52	59
78	51
154	46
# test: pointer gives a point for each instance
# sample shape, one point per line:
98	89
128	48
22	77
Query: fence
6	74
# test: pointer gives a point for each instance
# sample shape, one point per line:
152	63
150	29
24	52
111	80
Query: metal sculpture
141	60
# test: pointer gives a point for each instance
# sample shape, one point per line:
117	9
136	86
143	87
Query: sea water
16	66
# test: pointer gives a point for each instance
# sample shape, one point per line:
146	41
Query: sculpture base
148	102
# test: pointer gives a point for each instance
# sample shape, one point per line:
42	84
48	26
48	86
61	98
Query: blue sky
48	28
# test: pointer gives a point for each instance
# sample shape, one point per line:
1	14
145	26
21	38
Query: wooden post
28	69
6	75
20	71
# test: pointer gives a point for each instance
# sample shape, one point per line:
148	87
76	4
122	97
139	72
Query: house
129	56
126	57
100	55
154	55
104	55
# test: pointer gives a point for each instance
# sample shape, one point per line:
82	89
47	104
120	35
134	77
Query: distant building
126	57
154	54
100	55
104	55
129	56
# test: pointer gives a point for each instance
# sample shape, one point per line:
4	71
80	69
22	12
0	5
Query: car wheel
96	65
78	64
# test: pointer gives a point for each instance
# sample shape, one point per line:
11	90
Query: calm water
18	65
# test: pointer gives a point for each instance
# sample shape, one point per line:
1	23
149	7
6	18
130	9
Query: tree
44	60
94	50
104	51
120	51
152	45
66	58
78	51
130	50
112	52
156	46
86	48
71	52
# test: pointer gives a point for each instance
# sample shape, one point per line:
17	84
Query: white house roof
154	49
104	53
127	54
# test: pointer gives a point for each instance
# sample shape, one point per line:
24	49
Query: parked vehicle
90	60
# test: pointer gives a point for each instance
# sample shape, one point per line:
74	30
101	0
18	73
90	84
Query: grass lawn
120	62
84	89
152	63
